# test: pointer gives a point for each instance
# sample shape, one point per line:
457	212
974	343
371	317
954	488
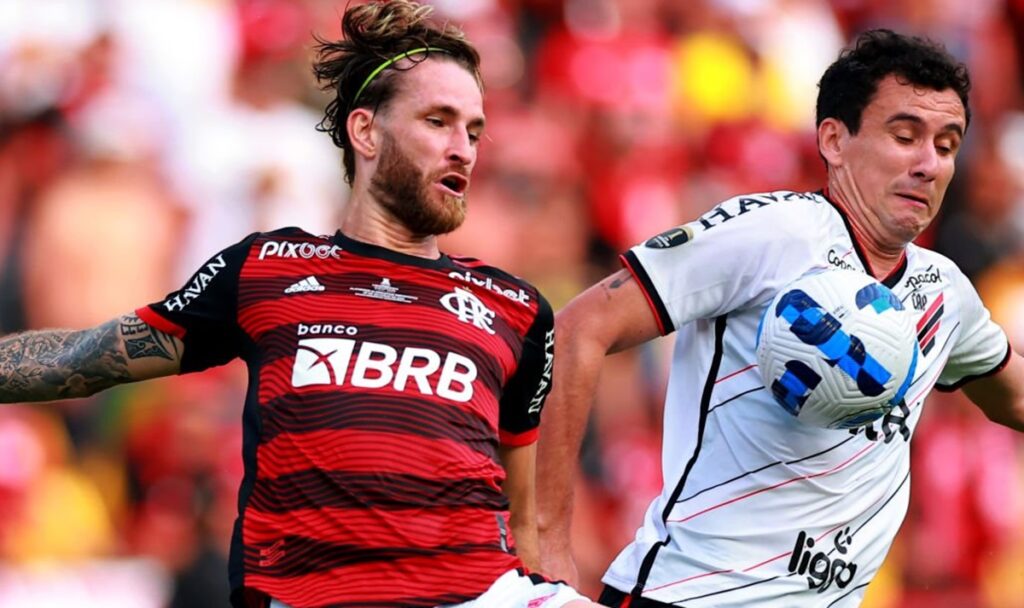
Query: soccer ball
837	349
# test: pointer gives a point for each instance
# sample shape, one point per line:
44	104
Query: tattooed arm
60	364
609	317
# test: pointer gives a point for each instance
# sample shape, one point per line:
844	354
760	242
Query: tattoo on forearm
141	340
620	281
615	282
58	364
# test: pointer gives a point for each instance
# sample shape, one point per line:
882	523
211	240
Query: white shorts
512	590
515	590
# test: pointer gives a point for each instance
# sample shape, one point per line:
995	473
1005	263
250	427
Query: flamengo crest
469	309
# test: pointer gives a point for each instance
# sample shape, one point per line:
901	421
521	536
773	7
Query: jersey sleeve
527	389
203	313
981	348
702	270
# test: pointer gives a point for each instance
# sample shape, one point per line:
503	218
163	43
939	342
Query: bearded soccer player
758	508
394	391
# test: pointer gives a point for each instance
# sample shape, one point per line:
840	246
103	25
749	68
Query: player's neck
882	255
368	222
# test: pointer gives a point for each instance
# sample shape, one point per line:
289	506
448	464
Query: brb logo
337	361
469	309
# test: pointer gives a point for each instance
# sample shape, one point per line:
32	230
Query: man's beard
404	192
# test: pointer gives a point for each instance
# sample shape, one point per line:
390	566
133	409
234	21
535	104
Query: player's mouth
914	197
454	184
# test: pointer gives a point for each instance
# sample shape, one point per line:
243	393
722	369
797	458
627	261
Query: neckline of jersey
369	250
890	280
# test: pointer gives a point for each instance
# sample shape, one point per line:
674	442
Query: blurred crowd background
137	137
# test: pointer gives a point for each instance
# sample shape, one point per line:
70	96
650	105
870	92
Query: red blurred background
139	137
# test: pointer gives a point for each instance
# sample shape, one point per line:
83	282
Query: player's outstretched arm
61	364
1001	396
611	316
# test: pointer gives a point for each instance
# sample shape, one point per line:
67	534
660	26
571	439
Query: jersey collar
890	280
374	251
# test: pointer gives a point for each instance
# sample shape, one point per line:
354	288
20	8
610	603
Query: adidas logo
305	285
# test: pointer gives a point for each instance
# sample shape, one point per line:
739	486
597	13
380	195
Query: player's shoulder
292	242
936	266
291	233
764	213
783	207
477	272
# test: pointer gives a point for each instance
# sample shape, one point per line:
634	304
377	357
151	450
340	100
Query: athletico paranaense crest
928	325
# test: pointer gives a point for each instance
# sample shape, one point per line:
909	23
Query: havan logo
196	286
545	379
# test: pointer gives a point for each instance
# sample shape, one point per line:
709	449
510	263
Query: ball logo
836	349
813	326
469	309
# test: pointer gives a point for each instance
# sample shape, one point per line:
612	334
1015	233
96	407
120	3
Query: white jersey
757	507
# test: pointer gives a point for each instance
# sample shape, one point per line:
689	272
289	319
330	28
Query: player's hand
559	565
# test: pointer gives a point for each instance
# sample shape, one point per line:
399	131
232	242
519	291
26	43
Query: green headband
389	62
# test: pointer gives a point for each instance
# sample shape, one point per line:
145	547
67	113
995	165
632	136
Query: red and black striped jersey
380	388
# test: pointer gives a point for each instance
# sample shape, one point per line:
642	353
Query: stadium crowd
136	138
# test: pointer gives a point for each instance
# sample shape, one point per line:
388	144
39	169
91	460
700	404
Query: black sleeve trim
527	389
633	264
207	309
949	388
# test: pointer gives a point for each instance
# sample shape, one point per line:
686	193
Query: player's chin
453	213
445	216
910	228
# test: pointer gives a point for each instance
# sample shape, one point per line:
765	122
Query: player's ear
832	136
361	132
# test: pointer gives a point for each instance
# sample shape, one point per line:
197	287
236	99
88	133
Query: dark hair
848	85
371	35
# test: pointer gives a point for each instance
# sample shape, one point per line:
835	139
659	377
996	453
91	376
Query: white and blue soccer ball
837	349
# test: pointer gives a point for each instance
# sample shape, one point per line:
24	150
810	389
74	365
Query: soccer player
757	508
395	392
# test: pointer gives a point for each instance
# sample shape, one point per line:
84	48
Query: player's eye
947	147
435	121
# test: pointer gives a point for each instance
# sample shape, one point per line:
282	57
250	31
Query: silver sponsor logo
516	296
383	291
299	250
